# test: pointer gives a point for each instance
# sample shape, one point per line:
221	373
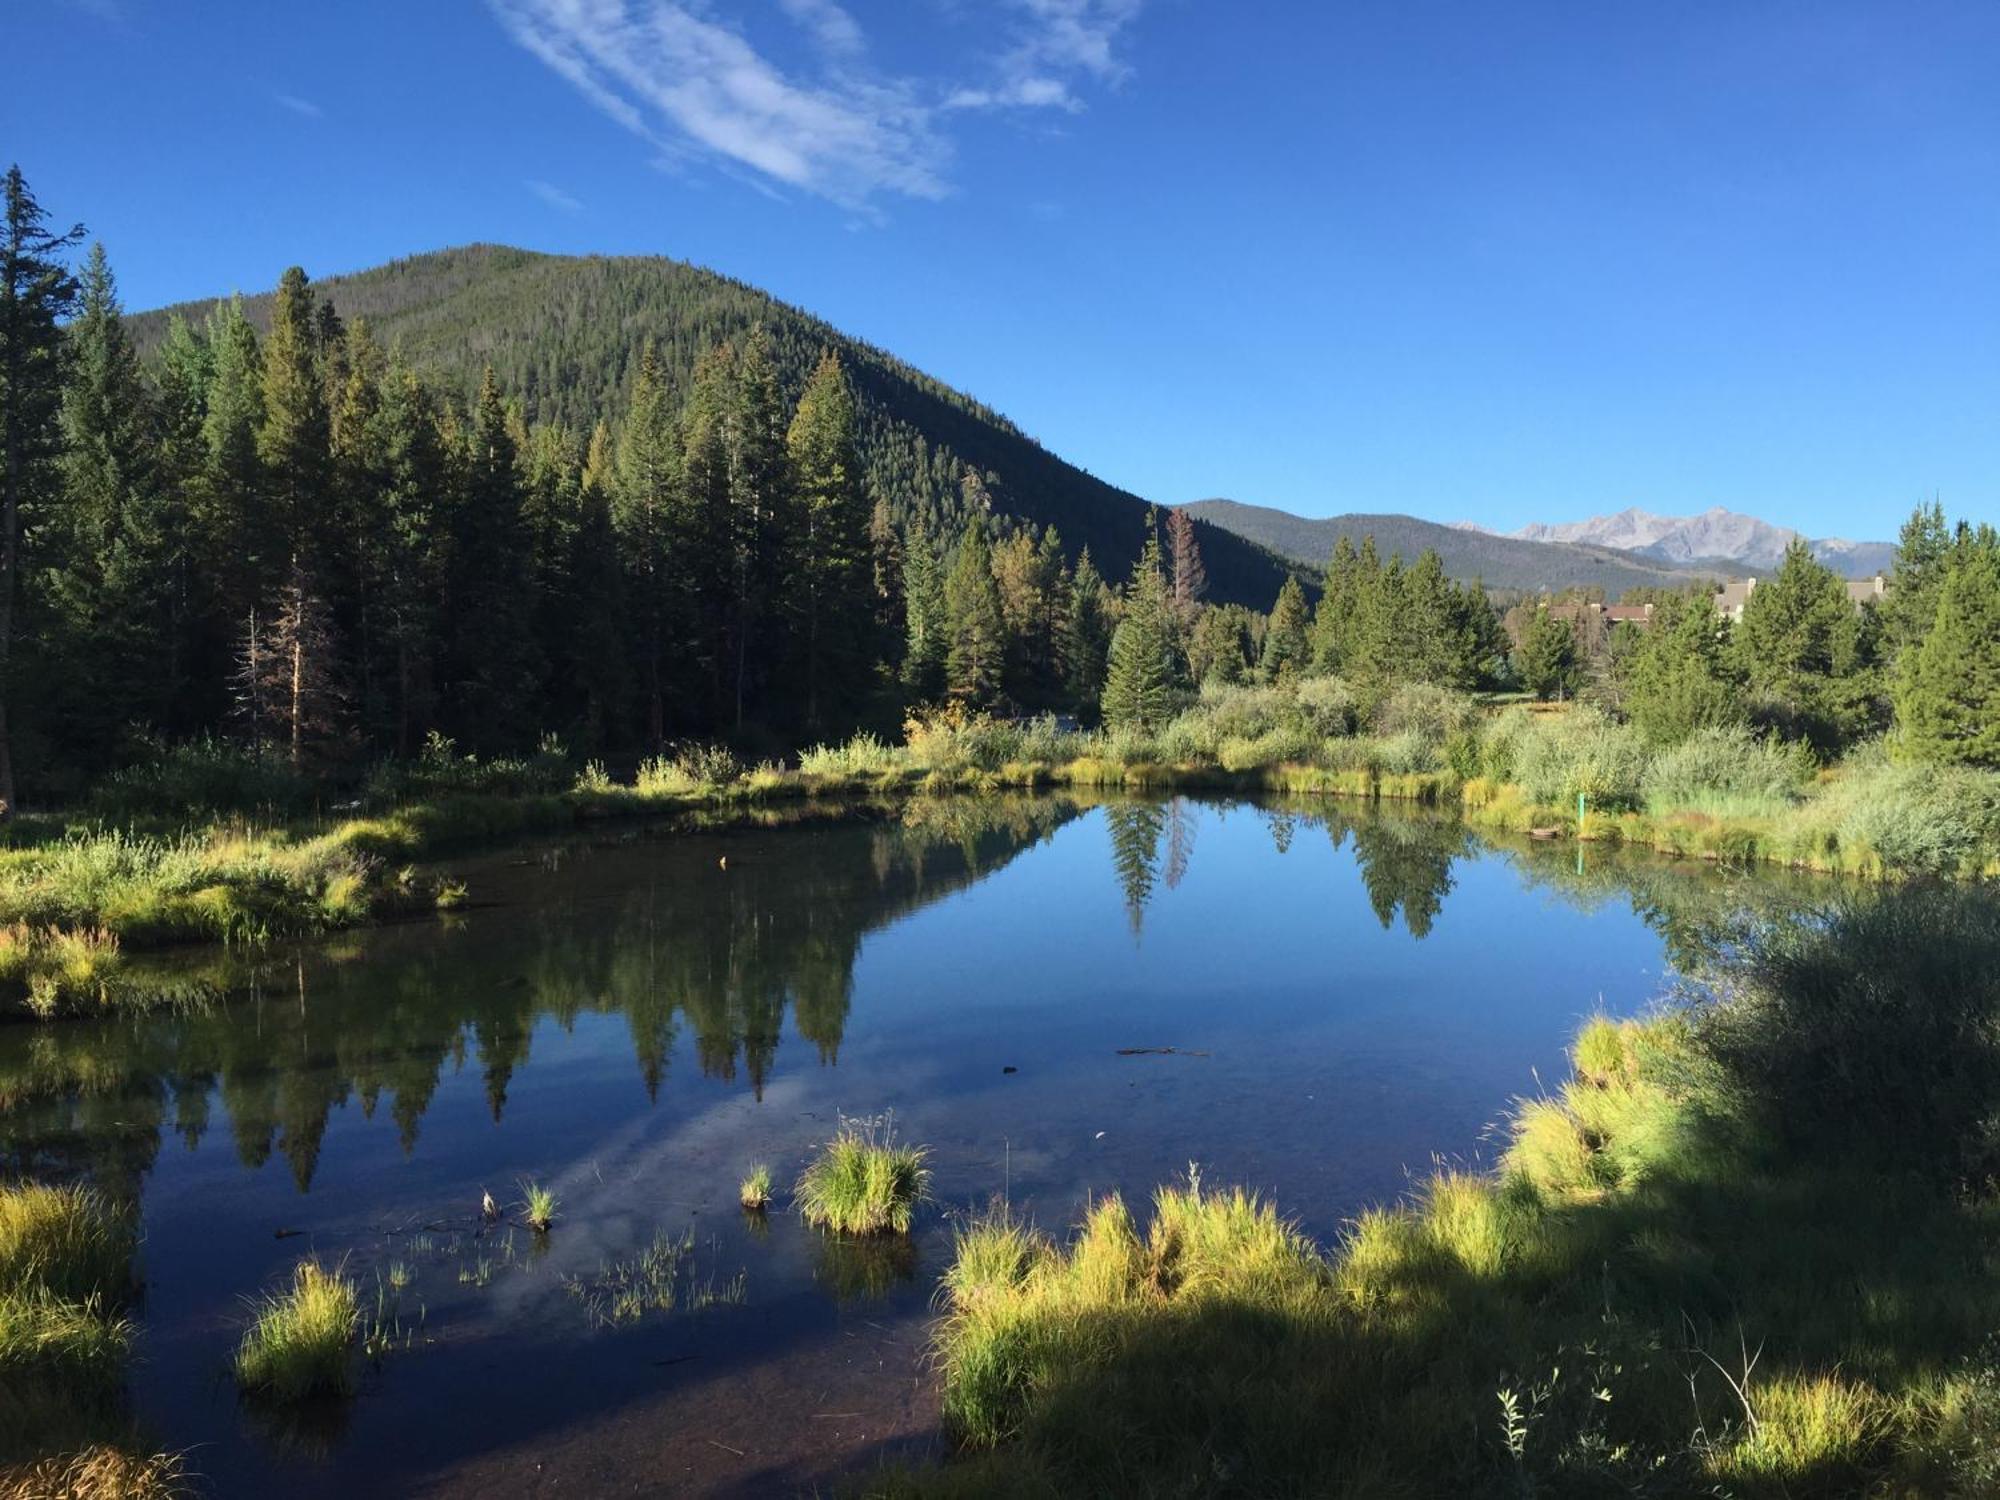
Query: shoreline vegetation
228	856
1719	1260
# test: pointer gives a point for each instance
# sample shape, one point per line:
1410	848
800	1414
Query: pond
1059	998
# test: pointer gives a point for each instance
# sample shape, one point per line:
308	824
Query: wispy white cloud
836	32
552	195
691	84
298	106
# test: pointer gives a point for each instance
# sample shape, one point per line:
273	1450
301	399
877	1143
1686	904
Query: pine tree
885	548
228	513
927	620
1922	554
112	575
1218	648
1333	621
647	513
1086	637
1287	650
1948	699
708	557
1550	662
762	520
36	292
1141	687
492	663
294	443
1676	680
976	630
1807	652
832	586
410	577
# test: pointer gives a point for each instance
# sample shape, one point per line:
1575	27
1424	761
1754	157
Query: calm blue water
636	1022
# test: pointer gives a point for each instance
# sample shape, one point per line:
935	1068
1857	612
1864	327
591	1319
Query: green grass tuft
301	1342
862	1182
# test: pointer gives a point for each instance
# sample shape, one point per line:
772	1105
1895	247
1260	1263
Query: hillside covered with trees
564	336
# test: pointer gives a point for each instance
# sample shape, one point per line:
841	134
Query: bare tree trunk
10	518
298	685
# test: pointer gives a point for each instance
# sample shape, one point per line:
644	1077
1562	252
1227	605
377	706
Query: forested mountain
1467	553
563	336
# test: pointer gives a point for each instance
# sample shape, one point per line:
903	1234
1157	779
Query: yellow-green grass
754	1192
1662	1290
863	1182
98	1472
539	1206
301	1341
65	1270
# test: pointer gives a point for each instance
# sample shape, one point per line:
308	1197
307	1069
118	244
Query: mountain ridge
1714	535
1468	552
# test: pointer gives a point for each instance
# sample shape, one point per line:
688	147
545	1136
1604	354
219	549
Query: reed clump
301	1341
863	1182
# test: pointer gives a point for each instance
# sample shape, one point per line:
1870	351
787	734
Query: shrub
864	755
202	779
1727	772
1425	709
301	1341
1329	707
1873	1033
689	770
862	1182
1582	752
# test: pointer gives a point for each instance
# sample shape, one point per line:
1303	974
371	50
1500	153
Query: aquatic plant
300	1341
538	1205
754	1192
862	1182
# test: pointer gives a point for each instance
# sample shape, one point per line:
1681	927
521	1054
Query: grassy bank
1723	1259
65	1277
80	894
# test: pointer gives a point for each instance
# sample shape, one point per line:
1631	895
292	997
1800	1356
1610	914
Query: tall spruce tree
1807	653
295	440
112	573
1948	694
763	523
493	660
37	292
831	589
975	651
1287	647
1086	637
1551	662
927	620
648	513
1141	685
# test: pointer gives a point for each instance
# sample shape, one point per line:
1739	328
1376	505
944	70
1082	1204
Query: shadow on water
638	1019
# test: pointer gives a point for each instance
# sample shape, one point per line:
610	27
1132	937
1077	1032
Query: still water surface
637	1021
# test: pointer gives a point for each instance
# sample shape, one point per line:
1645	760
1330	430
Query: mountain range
1507	563
1716	536
564	333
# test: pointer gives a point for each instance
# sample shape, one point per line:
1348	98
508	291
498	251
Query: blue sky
1496	261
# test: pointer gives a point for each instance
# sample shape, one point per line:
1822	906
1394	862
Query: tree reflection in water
692	957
